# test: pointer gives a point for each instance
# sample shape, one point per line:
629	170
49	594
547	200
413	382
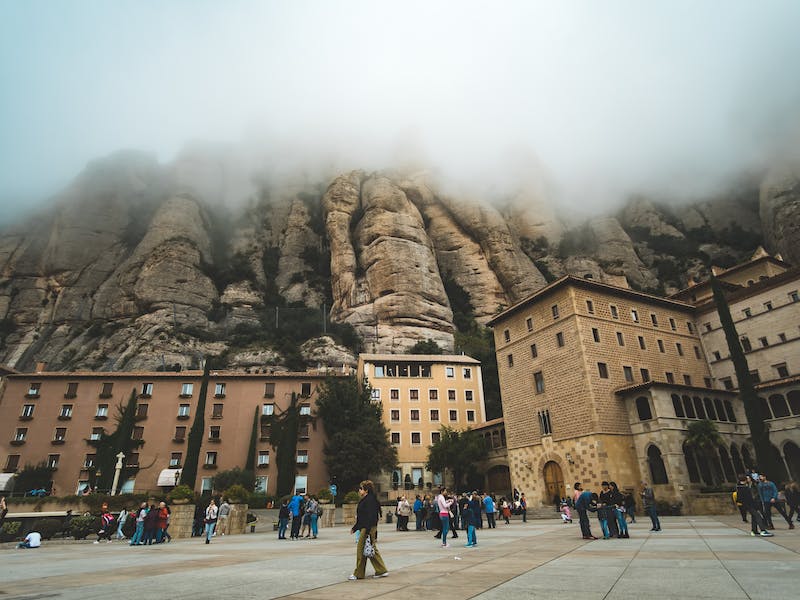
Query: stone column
181	519
237	519
328	516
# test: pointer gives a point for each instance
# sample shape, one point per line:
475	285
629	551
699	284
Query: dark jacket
367	512
283	512
744	496
468	517
584	501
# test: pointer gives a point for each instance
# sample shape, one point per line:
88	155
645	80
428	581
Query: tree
195	442
456	452
704	438
283	432
250	463
358	442
236	476
766	455
33	477
426	347
109	445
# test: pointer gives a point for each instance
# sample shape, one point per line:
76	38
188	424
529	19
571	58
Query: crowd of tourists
755	496
612	507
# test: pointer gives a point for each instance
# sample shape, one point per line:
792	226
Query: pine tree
195	442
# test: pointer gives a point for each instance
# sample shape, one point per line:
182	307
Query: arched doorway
792	454
553	482
498	479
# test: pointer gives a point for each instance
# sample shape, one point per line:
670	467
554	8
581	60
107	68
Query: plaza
692	557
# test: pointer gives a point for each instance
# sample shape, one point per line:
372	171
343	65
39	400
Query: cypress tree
766	454
250	463
109	445
283	438
189	472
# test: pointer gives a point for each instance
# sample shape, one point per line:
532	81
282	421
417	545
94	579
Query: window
433	395
602	370
763	341
634	315
436	437
467	372
96	433
677	406
12	463
216	411
690	327
697	354
545	426
747	313
33	390
72	390
379	371
538	382
707	326
534	352
175	459
66	411
60	434
614	313
643	408
794	297
302	457
595	334
707	381
453	415
211	459
268	409
138	433
645	374
183	411
658	472
717	355
89	460
434	414
510	359
394	394
672	324
628	372
20	434
781	369
263	458
141	411
468	395
180	433
727	383
620	338
305	410
269	390
755	376
782	337
187	389
679	348
376	395
746	346
394	415
560	339
395	438
660	345
654	319
52	460
27	411
670	377
590	307
219	390
265	431
687	379
416	438
413	395
506	335
305	389
451	395
147	390
768	306
641	343
470	416
449	372
529	323
414	414
106	390
554	310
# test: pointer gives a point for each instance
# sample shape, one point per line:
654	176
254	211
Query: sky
602	99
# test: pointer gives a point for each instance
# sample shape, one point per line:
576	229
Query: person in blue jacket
488	505
296	510
768	494
418	513
583	504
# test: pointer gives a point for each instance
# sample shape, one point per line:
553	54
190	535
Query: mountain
139	265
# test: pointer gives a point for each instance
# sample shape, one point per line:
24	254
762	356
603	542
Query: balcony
64	417
184	395
179	440
209	467
142	395
26	417
101	417
18	442
214	440
58	442
262	466
219	395
32	395
70	395
183	417
107	396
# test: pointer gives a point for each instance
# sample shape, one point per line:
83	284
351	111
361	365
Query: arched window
766	414
658	472
738	465
794	401
747	457
727	465
792	454
709	406
691	464
729	411
778	405
698	407
720	410
643	408
677	406
687	406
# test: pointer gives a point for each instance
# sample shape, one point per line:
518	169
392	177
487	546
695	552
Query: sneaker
445	545
791	525
379	575
352	578
753	533
467	545
766	533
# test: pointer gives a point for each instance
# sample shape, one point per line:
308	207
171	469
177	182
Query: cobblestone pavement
692	557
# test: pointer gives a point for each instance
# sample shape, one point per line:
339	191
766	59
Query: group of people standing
151	524
304	512
755	495
612	507
428	513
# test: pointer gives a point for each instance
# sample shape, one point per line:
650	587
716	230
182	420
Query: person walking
619	510
744	494
792	491
768	492
163	523
505	510
210	520
583	503
136	540
121	519
488	504
649	502
283	519
403	513
630	507
366	525
150	525
223	513
106	525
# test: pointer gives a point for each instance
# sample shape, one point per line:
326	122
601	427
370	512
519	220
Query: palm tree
704	438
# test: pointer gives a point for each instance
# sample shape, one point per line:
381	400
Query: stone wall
181	519
709	504
237	520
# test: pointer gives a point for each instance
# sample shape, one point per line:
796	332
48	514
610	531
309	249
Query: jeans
25	545
282	525
604	527
651	512
137	536
490	520
314	518
295	533
418	514
525	514
445	527
621	522
471	539
768	506
583	519
120	535
210	530
756	521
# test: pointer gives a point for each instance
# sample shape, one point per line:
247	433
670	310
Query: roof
591	284
5	370
741	292
432	358
635	387
194	374
734	269
488	424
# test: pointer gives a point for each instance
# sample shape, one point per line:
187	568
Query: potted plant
236	494
325	496
349	507
181	494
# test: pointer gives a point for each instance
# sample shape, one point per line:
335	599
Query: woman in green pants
366	524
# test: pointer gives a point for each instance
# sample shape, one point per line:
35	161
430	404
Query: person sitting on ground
32	540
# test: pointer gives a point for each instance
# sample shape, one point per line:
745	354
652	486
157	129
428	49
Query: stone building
600	382
419	394
49	416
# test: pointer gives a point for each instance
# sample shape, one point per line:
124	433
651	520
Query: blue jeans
137	536
282	525
445	528
623	524
604	527
471	539
314	518
210	530
418	514
651	512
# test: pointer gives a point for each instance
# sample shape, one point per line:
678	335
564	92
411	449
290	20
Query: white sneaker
352	578
766	533
384	574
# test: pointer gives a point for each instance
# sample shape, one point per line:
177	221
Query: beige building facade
419	394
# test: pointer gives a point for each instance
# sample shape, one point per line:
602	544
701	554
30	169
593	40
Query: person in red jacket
163	523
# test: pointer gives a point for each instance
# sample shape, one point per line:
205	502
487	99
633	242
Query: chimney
41	367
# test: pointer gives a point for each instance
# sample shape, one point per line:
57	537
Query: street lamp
177	477
117	469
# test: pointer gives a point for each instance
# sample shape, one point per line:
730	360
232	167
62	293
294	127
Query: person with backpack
313	509
106	525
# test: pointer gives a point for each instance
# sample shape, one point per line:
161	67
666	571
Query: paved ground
693	557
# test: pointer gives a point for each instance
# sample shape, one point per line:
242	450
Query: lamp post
177	477
117	469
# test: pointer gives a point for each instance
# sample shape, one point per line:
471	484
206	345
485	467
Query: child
468	519
566	515
283	519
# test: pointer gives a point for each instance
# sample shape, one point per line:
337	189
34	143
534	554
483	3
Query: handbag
369	549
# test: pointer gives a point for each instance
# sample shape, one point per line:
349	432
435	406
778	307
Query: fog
599	99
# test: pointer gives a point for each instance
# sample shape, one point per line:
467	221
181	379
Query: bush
47	527
351	498
325	494
236	476
82	526
9	531
236	494
258	500
181	492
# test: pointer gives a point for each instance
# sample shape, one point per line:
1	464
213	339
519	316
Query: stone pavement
693	557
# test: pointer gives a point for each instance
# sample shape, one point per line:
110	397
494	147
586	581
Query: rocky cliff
139	265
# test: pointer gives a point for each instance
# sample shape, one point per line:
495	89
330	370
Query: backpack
319	510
